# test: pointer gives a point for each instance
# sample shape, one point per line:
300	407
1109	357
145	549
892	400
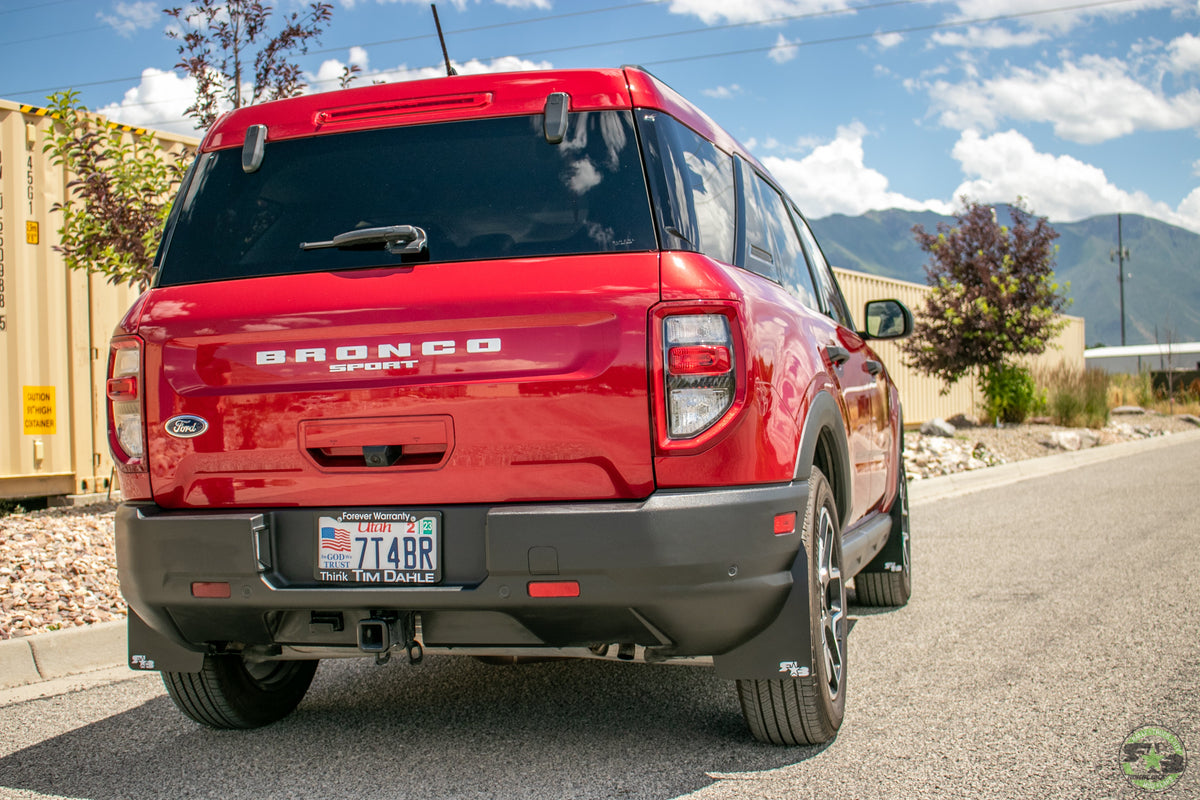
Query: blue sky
1082	108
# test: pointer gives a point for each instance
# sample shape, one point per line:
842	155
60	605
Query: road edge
44	656
961	483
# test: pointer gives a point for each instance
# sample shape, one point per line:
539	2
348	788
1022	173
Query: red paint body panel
552	406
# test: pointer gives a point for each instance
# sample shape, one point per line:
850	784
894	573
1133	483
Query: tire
808	710
229	693
889	582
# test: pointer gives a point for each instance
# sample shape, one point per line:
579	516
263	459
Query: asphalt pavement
1052	615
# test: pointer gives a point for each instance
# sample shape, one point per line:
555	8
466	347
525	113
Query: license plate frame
379	547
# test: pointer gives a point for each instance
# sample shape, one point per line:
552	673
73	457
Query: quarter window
693	187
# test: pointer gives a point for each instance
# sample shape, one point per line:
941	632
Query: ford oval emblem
186	426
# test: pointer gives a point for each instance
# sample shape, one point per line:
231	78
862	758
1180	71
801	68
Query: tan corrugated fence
922	395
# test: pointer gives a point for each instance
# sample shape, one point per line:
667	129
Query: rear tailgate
470	382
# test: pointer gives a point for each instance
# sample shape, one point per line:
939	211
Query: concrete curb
32	659
947	486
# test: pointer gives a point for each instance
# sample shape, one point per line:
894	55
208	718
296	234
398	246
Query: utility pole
1120	255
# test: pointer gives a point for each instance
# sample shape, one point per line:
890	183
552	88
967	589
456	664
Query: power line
729	26
495	26
912	29
698	57
41	4
52	35
322	51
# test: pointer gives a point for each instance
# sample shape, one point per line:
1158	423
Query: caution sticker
38	410
31	232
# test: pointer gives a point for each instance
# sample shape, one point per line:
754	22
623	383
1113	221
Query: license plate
379	547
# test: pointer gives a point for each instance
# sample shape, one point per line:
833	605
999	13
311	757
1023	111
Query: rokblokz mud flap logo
1153	758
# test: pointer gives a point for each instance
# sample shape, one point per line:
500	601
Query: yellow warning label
31	232
37	405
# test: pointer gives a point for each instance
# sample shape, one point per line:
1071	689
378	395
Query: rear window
480	189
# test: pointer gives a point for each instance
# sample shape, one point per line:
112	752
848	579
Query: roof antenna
449	69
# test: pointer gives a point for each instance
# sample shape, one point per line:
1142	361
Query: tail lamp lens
124	384
700	381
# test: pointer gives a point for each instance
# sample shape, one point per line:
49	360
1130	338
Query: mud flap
784	648
150	650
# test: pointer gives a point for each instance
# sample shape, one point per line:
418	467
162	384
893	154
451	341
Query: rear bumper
681	573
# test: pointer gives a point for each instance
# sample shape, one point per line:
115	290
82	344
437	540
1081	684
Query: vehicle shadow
450	727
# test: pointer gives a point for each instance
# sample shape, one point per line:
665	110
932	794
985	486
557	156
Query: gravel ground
58	570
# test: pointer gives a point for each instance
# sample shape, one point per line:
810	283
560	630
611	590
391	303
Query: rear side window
480	189
693	187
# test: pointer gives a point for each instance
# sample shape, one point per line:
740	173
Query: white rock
1063	440
938	427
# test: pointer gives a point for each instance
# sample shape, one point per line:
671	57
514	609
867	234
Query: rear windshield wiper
397	239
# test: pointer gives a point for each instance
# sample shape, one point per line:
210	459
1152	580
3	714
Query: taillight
124	391
700	384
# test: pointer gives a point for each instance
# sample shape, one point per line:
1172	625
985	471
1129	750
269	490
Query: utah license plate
380	547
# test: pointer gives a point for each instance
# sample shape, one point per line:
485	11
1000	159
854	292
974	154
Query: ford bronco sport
524	365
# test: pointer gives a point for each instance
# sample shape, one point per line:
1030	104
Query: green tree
993	296
118	195
224	45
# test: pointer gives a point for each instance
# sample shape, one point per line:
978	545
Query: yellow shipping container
54	326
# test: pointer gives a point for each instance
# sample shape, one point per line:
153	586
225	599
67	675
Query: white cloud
542	4
888	40
132	17
1003	166
723	92
157	102
988	38
783	51
713	11
1093	101
161	98
833	179
472	67
1184	54
1060	20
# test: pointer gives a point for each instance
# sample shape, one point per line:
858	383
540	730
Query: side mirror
887	319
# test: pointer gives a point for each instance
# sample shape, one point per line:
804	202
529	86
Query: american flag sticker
334	539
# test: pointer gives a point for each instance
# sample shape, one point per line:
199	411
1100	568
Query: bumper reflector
785	523
215	589
553	588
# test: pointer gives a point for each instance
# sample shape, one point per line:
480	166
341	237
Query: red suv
525	365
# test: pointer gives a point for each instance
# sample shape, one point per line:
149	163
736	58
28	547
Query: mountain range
1162	272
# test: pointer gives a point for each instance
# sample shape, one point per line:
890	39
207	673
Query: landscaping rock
938	427
963	421
1119	410
1077	439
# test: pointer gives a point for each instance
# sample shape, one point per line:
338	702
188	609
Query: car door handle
874	367
837	354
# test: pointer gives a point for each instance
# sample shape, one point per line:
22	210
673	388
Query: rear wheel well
824	459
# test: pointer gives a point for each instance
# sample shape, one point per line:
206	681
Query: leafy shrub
1010	393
